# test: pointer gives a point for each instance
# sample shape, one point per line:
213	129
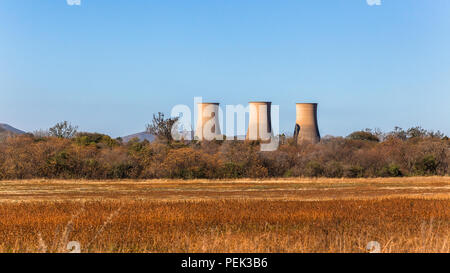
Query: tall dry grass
399	225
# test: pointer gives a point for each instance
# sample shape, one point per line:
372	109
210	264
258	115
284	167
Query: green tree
427	165
364	135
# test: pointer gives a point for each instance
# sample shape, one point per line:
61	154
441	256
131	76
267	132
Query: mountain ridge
141	136
8	128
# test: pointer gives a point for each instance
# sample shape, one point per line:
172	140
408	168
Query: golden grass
400	225
274	189
289	215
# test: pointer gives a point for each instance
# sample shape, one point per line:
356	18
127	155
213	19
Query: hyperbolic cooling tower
306	128
208	126
260	125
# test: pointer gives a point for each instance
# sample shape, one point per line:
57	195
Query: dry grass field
282	215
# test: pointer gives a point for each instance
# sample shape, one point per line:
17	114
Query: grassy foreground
403	215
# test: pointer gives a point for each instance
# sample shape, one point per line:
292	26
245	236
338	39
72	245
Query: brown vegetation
95	156
399	225
287	189
279	215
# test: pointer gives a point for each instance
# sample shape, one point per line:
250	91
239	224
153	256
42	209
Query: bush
354	172
120	171
427	166
187	163
233	170
314	169
363	135
98	156
334	170
392	170
86	139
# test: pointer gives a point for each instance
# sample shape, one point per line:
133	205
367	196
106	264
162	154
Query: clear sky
108	65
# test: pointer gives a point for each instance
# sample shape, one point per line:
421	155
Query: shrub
257	171
393	170
187	163
86	139
314	169
334	169
355	171
98	156
120	171
233	170
427	165
363	135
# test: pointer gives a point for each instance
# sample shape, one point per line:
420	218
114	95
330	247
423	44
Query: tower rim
262	102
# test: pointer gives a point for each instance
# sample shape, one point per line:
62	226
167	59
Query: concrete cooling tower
208	126
260	125
306	128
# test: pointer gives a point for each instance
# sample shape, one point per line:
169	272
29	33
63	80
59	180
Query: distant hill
7	130
141	136
146	136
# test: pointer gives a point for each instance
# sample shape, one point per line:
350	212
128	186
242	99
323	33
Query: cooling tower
208	126
260	125
306	129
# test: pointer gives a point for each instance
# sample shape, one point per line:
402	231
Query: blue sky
107	66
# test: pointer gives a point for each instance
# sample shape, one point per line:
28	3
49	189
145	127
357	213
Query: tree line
63	153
